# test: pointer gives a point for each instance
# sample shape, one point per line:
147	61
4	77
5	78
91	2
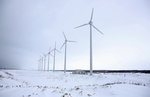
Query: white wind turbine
90	23
44	59
55	49
49	54
65	44
40	63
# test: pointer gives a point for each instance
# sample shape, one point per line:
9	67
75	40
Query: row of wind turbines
52	53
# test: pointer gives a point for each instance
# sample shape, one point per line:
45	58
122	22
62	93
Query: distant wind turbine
65	44
91	25
55	49
49	54
40	63
44	58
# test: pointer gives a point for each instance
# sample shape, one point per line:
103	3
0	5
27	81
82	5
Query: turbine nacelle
90	23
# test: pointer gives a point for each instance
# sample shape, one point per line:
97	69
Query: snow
21	83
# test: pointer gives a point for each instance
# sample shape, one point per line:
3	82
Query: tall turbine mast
65	43
91	25
55	49
49	53
48	62
44	59
40	63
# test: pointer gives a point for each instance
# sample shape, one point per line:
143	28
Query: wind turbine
65	44
40	63
44	59
55	49
90	23
49	53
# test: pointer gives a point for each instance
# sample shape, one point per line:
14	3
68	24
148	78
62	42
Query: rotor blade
52	50
81	26
57	50
92	14
70	41
63	45
64	35
51	55
44	55
98	29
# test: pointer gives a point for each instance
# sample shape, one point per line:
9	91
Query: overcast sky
29	27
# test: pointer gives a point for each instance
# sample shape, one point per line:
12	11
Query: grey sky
29	27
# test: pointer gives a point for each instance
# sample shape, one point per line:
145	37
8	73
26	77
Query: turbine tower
44	59
65	43
90	23
55	49
40	63
49	53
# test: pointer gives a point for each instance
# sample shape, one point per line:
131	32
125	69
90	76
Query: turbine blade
49	50
44	55
51	55
92	14
81	26
62	45
64	35
70	41
58	51
52	50
97	29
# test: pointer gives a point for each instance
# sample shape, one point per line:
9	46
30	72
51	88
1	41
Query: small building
79	71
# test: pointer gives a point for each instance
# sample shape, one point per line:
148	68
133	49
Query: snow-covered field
19	83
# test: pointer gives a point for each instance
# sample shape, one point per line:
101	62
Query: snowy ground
19	83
